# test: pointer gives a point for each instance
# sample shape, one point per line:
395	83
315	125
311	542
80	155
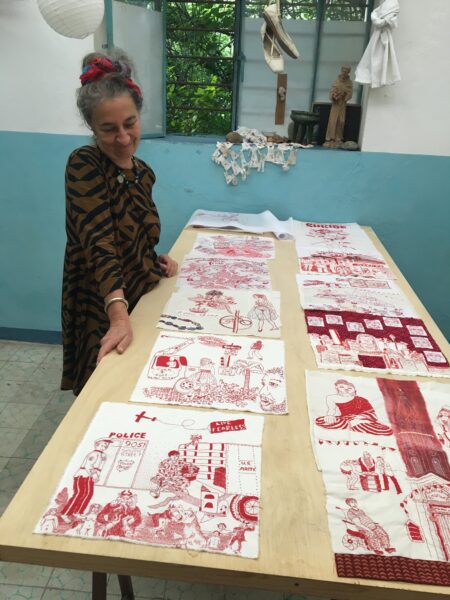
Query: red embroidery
350	338
221	426
392	568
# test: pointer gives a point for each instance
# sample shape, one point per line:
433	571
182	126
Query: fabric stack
383	445
197	473
356	316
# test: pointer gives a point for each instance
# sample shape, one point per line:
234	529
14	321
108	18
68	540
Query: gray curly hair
111	85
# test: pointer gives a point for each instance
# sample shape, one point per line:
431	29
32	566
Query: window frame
238	59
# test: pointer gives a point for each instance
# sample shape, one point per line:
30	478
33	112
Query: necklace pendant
120	178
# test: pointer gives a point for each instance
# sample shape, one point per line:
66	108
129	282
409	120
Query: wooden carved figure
340	93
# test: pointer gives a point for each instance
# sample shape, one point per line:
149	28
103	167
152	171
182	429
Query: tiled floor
31	408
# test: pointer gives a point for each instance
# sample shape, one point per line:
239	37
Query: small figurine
340	93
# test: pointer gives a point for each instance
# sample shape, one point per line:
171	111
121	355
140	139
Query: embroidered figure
263	310
369	474
84	480
174	475
120	517
362	531
347	410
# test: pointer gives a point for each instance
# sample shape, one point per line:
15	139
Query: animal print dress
112	228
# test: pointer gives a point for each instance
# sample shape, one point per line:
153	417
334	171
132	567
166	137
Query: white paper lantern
73	18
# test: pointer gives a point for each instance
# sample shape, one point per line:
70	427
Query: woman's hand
119	334
168	266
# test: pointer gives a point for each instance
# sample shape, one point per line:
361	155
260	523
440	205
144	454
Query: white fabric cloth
367	459
230	312
233	246
264	222
379	66
224	274
166	477
358	294
337	237
237	373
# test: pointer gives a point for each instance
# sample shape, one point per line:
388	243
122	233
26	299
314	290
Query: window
202	49
215	77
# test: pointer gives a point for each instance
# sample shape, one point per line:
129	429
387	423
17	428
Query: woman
263	310
112	224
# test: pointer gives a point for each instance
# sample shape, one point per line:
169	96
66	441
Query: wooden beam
281	98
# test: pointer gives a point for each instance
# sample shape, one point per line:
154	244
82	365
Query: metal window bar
199	84
201	30
235	60
322	6
197	57
199	108
238	59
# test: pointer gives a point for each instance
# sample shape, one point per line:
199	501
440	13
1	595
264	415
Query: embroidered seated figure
174	475
375	537
346	410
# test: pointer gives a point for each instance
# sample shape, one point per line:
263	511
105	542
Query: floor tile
46	372
7	349
5	499
15	592
235	593
66	595
12	475
18	371
10	440
55	356
2	406
177	590
50	418
32	444
143	587
62	400
27	392
20	416
19	574
32	353
3	461
70	579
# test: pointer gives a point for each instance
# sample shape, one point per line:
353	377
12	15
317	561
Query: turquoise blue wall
405	198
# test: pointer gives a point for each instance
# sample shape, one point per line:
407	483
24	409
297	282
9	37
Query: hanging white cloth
379	66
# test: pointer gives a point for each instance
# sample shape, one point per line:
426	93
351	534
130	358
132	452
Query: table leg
126	587
98	586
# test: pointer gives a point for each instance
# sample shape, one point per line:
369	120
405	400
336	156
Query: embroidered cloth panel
164	477
343	263
233	246
237	373
224	274
359	294
383	446
366	342
337	237
231	312
264	222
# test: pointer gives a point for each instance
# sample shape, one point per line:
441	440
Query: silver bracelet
116	299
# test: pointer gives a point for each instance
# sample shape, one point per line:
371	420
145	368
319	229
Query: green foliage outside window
199	55
200	46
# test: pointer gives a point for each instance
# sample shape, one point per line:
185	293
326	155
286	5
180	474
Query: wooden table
295	549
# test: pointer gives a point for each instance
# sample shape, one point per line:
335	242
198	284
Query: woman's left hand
168	266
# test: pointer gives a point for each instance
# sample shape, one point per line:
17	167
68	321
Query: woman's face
116	125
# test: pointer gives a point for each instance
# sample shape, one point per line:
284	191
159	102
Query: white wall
411	116
140	32
42	67
39	72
